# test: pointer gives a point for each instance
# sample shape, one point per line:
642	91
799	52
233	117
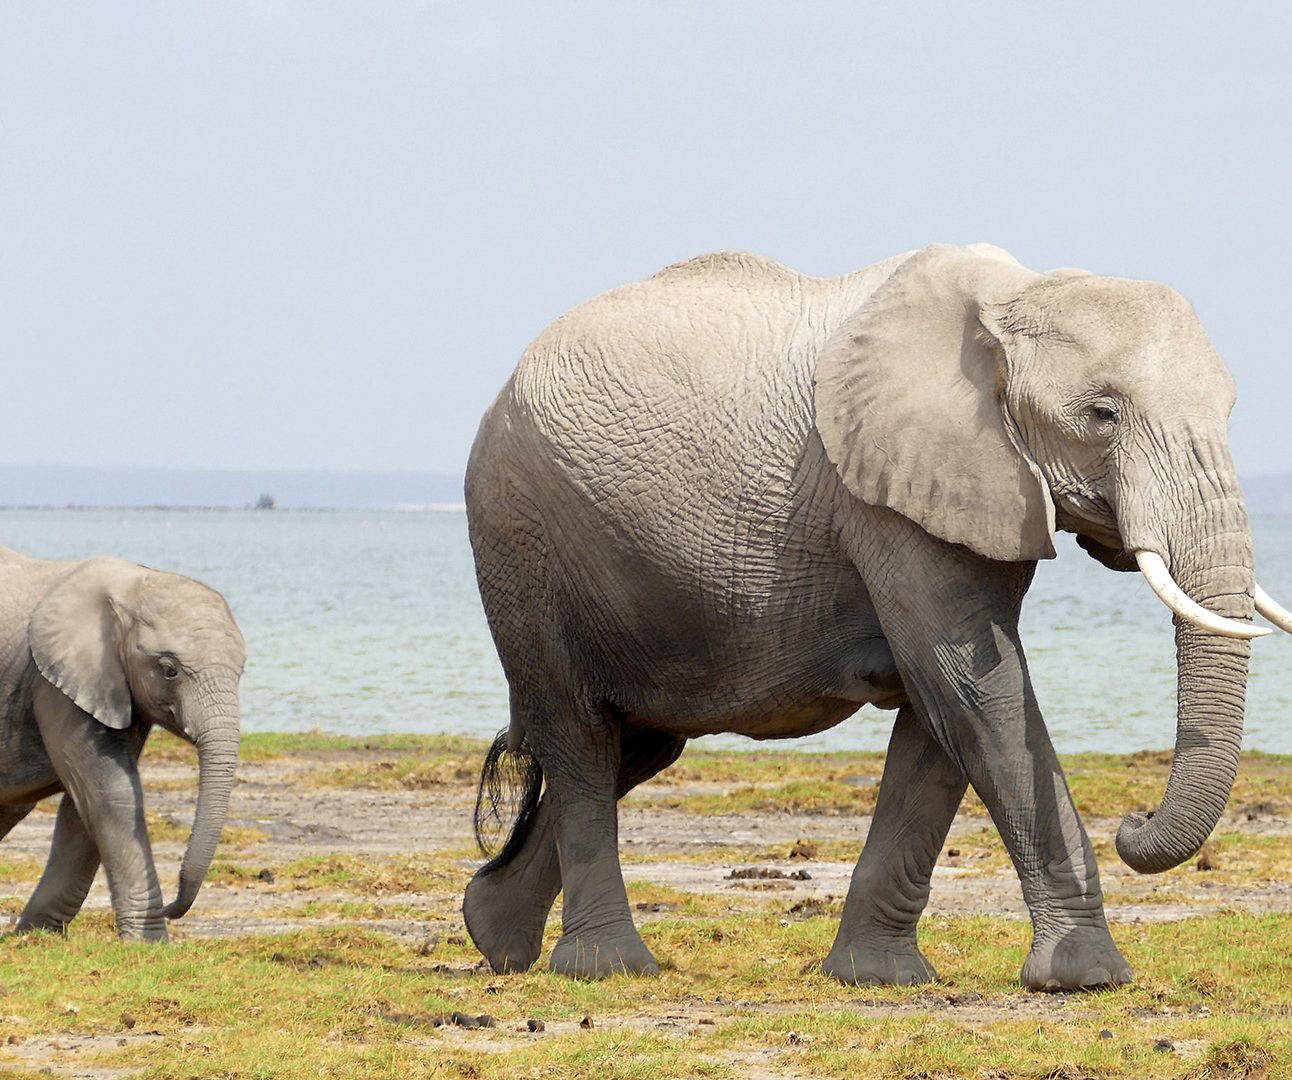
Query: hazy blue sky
314	234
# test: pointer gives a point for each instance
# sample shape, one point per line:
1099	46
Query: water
364	622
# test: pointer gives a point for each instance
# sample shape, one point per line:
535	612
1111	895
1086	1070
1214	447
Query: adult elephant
92	655
735	498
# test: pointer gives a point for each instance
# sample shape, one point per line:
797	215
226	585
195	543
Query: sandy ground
660	845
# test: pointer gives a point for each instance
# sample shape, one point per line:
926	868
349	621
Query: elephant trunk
216	737
1210	555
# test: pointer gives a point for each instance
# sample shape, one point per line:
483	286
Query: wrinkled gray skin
734	498
92	655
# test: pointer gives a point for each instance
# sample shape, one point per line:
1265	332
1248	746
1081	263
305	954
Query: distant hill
60	485
65	485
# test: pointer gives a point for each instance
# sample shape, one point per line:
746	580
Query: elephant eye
1104	413
169	668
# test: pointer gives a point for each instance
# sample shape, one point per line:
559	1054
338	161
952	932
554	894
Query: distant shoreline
422	508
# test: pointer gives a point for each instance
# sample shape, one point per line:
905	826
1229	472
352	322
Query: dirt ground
659	844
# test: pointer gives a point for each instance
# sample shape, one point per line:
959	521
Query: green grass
344	1001
798	796
407	772
269	745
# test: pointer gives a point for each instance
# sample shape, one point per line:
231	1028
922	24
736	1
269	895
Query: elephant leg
581	764
506	908
69	873
11	815
951	619
918	797
97	767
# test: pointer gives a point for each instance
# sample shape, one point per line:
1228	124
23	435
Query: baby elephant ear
76	633
910	405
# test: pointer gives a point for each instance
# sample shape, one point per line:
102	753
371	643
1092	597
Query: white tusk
1160	581
1275	612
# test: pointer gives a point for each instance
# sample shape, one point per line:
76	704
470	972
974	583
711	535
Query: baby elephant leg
918	797
97	767
69	873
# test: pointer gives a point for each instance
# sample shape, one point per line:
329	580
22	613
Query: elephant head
132	645
992	404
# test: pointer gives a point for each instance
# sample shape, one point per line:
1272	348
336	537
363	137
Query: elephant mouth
1107	546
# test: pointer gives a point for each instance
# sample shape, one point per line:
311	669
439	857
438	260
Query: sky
319	235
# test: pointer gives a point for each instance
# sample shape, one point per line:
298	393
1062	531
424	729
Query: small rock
1164	1046
801	875
1105	1034
535	1025
587	1023
128	1021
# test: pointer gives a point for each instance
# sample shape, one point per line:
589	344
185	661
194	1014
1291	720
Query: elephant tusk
1160	581
1272	610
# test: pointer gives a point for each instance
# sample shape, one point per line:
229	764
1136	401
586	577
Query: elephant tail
510	785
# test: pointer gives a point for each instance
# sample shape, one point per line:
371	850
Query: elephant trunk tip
178	907
1147	847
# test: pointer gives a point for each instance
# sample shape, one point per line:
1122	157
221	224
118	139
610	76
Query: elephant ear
910	405
76	634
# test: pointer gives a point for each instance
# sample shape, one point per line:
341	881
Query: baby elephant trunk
217	758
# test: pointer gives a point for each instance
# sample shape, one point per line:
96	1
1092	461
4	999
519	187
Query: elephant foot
595	955
506	927
890	964
30	923
1079	959
153	929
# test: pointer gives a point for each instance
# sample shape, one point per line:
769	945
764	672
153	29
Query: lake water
364	622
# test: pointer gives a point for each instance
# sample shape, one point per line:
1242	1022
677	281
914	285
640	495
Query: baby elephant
92	654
